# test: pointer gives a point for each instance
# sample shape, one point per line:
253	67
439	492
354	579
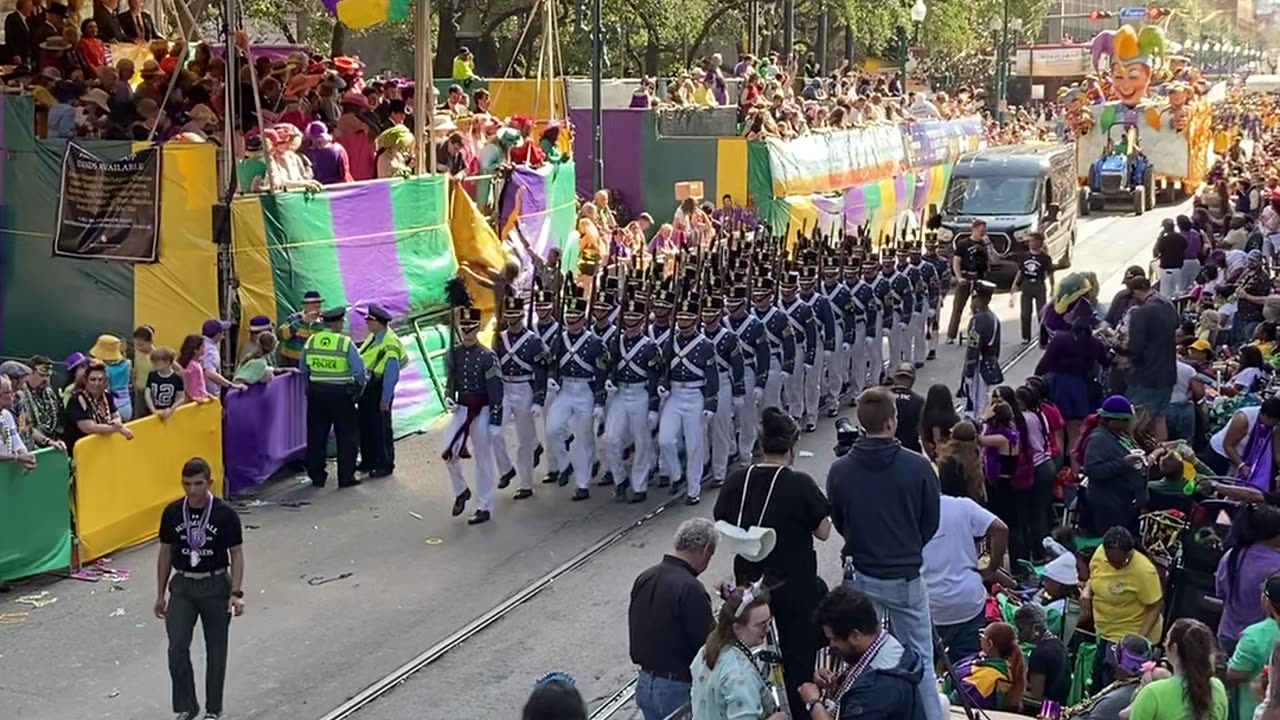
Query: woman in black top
789	502
937	419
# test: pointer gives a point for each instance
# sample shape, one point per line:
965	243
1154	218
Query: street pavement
342	587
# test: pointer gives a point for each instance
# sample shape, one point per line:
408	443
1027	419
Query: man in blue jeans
669	620
885	503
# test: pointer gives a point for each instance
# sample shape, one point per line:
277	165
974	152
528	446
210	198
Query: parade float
1141	125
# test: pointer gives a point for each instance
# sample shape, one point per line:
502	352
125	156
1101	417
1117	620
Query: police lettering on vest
326	356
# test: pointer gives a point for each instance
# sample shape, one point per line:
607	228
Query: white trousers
898	351
857	362
916	338
976	392
811	387
747	417
875	357
793	389
720	430
1171	282
479	442
517	399
773	384
682	421
626	423
570	414
548	453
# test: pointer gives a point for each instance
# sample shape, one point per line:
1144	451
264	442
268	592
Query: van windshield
991	195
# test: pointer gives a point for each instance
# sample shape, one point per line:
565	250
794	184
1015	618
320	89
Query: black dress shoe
692	500
551	478
537	455
565	476
595	468
523	493
364	468
664	481
626	452
833	410
460	502
318	483
481	516
714	483
619	493
606	479
639	497
581	494
919	365
351	483
933	355
381	472
505	480
810	427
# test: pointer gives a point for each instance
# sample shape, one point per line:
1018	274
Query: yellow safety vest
327	362
376	355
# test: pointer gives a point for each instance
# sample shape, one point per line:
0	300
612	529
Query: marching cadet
473	398
842	311
548	329
781	338
942	273
901	291
334	373
605	311
632	417
877	298
383	355
580	361
522	366
805	330
982	356
662	301
923	277
691	399
860	295
731	388
824	322
755	365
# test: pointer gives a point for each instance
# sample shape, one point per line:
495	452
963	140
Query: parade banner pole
424	93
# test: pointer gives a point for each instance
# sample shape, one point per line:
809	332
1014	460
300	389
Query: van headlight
945	235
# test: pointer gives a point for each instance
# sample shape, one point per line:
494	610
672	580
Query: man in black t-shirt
1048	667
1035	279
910	406
201	566
969	263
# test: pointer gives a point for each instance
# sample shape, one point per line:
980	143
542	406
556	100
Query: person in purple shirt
329	162
715	78
1070	359
1244	568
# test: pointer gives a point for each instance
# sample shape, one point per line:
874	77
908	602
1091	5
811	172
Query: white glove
844	347
808	367
663	392
708	414
609	387
450	405
738	400
552	385
826	355
785	376
653	420
597	413
757	394
535	410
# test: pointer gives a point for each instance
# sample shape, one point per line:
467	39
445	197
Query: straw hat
202	113
151	68
55	43
107	349
99	97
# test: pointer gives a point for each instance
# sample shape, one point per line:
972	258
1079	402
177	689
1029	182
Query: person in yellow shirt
1124	597
464	67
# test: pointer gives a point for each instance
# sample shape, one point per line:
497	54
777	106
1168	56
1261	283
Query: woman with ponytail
996	678
1193	693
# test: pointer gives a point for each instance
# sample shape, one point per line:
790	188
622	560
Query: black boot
637	497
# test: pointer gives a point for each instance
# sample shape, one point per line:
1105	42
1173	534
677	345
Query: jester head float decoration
1132	57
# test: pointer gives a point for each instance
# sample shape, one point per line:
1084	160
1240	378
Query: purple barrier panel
264	427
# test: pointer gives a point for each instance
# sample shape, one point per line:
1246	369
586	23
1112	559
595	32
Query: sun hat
1202	345
107	349
99	97
1116	407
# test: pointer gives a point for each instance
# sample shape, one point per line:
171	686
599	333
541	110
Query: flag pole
424	84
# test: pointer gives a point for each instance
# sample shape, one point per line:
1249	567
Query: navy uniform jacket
864	294
883	285
638	360
842	310
942	269
905	292
692	359
782	341
548	331
824	317
918	289
929	274
983	340
660	334
728	356
608	334
583	357
803	325
522	355
474	370
754	345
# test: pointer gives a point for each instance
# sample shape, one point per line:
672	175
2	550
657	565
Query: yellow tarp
475	245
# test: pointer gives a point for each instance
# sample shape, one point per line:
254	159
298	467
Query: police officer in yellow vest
383	355
335	373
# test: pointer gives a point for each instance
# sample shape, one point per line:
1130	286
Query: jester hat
1128	47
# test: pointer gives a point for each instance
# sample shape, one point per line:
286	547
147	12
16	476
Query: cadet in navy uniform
903	294
909	264
942	269
548	329
824	321
691	399
855	323
731	387
335	372
838	300
755	365
662	302
522	366
632	416
581	360
874	296
933	296
889	310
781	338
982	356
473	397
804	328
604	310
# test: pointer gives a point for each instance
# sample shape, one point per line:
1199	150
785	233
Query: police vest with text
376	354
327	361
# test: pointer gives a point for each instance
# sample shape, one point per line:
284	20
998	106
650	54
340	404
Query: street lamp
917	14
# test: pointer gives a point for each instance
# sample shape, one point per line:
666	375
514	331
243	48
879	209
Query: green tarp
35	516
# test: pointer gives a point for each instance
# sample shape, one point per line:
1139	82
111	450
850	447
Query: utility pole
597	112
424	107
822	38
788	30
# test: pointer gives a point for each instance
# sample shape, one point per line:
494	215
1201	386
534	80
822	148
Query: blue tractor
1122	173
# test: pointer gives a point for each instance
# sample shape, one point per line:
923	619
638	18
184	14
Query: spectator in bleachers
1048	663
91	410
76	364
1253	650
1192	692
18	46
41	407
104	14
329	161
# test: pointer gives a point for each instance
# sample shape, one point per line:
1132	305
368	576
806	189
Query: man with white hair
12	449
669	619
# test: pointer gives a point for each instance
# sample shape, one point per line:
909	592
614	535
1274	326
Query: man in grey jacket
1152	353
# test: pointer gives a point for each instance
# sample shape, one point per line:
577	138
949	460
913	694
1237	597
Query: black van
1016	189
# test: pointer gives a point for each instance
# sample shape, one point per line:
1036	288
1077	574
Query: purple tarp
624	136
264	427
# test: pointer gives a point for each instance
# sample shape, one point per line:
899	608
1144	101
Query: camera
846	435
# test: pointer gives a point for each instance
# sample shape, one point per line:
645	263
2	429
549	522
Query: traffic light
1156	14
1100	15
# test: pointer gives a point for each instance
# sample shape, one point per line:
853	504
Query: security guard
334	372
473	399
383	354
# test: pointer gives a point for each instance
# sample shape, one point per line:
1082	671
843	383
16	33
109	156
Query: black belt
684	677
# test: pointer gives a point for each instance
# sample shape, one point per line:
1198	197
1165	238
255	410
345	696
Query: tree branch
502	17
707	24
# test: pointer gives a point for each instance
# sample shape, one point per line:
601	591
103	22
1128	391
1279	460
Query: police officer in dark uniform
384	357
335	373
